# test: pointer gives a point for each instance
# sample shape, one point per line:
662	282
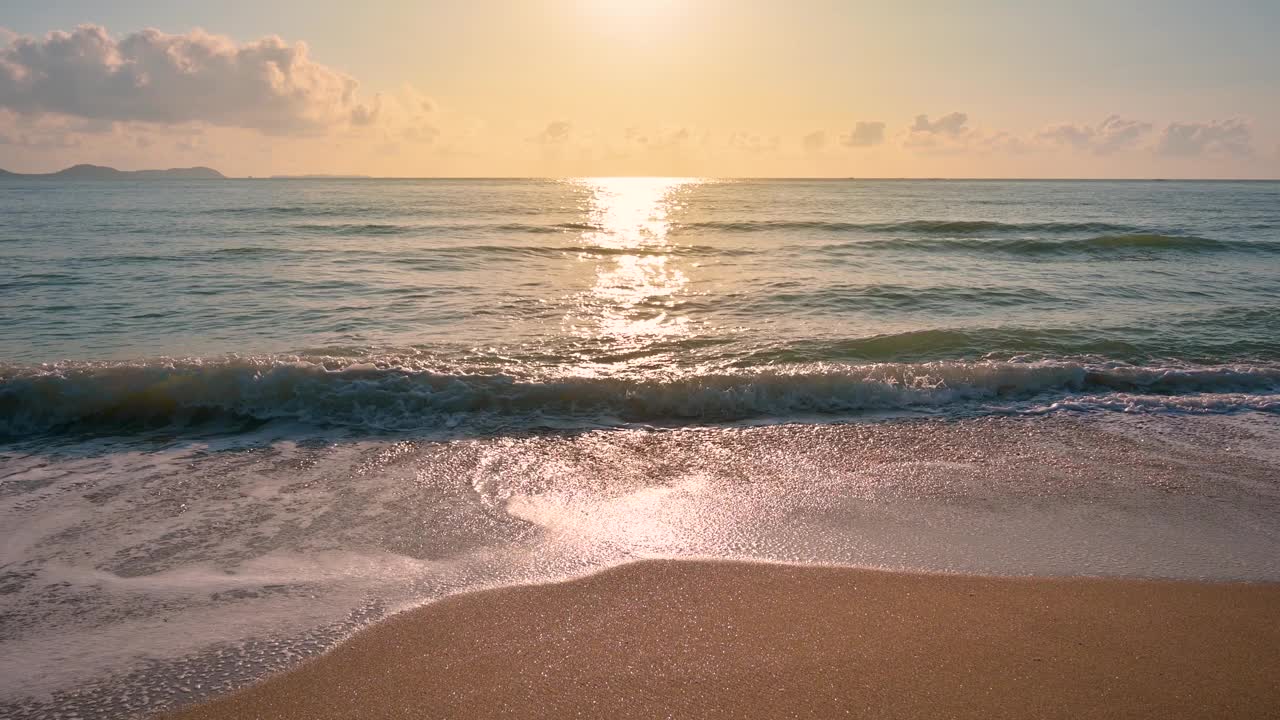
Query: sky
758	88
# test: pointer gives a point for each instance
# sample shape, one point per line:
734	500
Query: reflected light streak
632	300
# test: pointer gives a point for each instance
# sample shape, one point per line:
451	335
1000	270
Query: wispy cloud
1114	134
660	139
753	143
1233	136
951	124
865	134
814	141
948	134
555	133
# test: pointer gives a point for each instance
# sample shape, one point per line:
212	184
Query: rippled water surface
403	304
240	419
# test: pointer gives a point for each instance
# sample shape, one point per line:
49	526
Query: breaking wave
382	396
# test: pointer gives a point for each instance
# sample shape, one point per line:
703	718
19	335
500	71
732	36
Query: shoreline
694	638
1190	498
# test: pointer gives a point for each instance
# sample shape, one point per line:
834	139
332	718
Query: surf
383	396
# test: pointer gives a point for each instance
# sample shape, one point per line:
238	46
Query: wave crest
918	227
382	396
1130	243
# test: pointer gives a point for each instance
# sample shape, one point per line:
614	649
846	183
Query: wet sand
719	639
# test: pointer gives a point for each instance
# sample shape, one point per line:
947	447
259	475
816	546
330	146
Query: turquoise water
421	305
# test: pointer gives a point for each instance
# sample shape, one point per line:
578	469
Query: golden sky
664	87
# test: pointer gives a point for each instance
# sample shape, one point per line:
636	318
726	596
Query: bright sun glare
633	14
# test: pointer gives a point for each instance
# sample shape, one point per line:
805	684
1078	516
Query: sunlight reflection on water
630	301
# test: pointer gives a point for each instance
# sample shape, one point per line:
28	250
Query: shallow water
239	420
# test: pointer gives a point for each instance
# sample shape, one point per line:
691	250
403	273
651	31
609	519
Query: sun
634	14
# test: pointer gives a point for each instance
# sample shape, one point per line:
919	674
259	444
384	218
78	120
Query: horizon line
792	178
363	176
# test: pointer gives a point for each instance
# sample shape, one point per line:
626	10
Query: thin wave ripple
911	235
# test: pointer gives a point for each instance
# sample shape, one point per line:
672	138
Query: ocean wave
1115	343
246	251
316	210
1115	244
990	235
950	299
354	228
388	395
915	227
428	228
553	228
1132	403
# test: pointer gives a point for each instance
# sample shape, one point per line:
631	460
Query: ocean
241	419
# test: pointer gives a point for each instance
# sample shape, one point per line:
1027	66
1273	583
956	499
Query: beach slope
720	639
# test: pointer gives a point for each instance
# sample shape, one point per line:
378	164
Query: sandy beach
718	639
639	359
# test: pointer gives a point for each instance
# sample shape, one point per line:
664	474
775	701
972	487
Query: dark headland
99	172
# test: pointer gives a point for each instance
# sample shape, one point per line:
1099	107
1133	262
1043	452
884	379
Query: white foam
223	562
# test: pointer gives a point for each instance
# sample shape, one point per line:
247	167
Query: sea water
240	419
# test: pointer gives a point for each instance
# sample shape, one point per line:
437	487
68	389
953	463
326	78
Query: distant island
98	172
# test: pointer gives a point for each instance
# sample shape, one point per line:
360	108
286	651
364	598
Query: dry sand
710	639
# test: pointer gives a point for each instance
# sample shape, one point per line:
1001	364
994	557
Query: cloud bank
948	134
155	98
1219	137
865	134
1112	135
151	76
951	124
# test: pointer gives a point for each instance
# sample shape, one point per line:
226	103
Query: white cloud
155	77
866	134
1112	135
1218	137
